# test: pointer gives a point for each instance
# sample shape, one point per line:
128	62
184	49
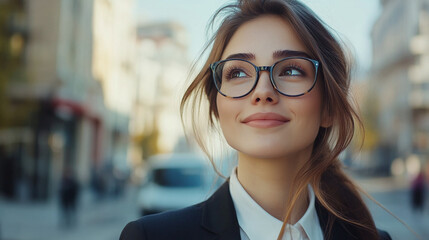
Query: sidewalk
40	221
393	194
381	184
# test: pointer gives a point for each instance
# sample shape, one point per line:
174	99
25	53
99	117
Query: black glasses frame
265	68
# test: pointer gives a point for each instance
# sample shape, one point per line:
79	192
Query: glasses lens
235	78
294	76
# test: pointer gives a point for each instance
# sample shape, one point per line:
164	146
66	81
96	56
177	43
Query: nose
264	91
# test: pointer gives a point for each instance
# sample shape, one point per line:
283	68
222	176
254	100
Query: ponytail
339	195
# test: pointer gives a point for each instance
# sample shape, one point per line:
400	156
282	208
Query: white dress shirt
257	224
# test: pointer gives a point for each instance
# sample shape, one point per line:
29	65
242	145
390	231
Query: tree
13	35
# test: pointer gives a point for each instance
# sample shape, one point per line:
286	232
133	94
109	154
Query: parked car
176	181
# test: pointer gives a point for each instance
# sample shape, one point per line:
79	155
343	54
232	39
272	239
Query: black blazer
212	219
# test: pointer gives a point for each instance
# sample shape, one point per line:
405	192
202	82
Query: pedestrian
277	83
68	196
418	192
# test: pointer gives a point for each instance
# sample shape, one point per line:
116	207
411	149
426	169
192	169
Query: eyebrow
276	55
289	53
245	56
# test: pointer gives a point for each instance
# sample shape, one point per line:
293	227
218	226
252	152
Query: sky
352	20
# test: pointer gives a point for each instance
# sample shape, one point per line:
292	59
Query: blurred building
71	123
399	82
114	67
162	72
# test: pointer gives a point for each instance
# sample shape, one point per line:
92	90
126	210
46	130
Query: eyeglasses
291	76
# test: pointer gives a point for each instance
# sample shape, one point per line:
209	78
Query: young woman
277	83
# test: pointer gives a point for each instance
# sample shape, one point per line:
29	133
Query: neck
268	182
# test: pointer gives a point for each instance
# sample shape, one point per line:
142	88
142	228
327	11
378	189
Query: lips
265	120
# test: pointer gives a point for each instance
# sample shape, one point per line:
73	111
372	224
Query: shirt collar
259	224
310	221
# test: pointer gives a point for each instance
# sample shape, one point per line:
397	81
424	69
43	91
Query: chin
273	151
264	152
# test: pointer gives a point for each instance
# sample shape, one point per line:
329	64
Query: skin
270	153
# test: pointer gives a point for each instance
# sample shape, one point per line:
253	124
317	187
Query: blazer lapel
219	216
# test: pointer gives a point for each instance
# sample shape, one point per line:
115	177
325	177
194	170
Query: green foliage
369	118
12	67
148	141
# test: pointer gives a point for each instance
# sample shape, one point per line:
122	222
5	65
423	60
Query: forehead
262	37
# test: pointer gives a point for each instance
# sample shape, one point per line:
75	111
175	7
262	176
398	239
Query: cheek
225	110
228	111
308	111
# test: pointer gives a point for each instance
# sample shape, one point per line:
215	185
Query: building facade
114	66
71	126
162	74
399	82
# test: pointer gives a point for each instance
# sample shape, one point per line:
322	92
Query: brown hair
333	189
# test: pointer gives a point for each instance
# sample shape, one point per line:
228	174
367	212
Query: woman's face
266	124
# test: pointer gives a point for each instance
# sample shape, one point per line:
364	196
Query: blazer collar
219	217
218	214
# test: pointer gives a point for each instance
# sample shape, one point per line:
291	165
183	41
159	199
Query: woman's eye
291	72
237	74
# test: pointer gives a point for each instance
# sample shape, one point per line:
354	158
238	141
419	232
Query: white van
176	181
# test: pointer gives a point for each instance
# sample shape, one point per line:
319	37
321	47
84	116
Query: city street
104	219
394	195
96	94
96	220
399	204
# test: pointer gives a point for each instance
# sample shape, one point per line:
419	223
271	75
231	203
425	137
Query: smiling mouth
265	120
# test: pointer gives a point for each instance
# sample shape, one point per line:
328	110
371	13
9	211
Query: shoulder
383	235
206	220
335	228
167	225
189	216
